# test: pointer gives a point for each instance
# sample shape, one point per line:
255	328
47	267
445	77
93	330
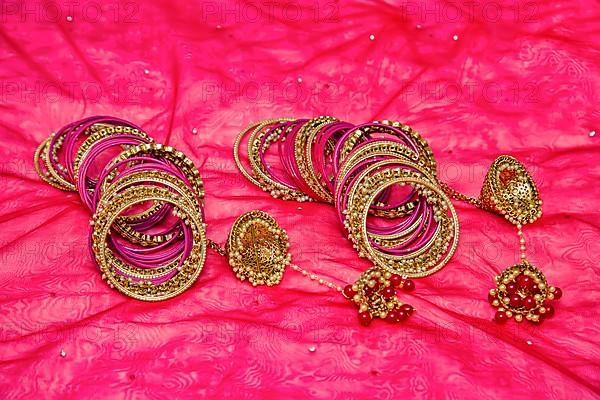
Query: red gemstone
557	293
516	301
549	310
348	292
408	285
535	289
407	308
506	176
542	318
401	316
512	288
392	316
370	290
529	302
491	297
364	318
525	282
388	292
500	317
395	279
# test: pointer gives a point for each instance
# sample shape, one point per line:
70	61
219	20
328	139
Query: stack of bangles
380	176
148	233
148	236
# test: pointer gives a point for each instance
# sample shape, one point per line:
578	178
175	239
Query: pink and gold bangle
148	232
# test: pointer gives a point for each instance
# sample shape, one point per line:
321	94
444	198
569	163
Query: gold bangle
108	211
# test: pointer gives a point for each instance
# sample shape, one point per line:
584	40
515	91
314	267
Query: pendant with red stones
374	293
522	293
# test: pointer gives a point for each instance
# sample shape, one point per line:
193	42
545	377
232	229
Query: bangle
380	176
148	236
188	267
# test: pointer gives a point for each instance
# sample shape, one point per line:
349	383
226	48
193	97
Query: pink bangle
148	235
335	161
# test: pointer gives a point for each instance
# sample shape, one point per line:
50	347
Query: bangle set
148	235
147	229
381	178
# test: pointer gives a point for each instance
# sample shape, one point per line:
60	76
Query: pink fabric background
522	78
